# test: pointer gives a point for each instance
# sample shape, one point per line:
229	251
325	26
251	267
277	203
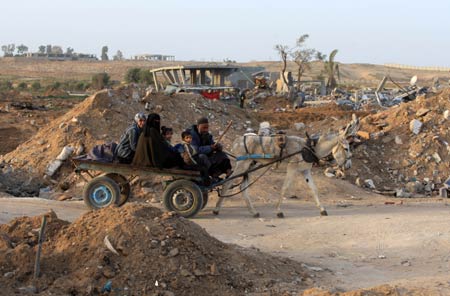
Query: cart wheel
184	197
125	188
101	192
205	198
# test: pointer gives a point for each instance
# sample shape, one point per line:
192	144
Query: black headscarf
153	121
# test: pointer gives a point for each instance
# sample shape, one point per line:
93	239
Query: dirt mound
104	116
395	157
154	253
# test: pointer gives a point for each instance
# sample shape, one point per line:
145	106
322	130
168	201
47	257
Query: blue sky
407	32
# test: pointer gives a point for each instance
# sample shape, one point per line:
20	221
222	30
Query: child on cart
192	159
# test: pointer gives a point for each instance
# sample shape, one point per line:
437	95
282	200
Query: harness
280	139
308	152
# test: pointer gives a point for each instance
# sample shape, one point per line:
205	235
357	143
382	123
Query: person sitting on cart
167	133
128	141
204	143
192	159
152	149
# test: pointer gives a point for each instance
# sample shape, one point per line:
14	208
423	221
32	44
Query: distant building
61	56
154	57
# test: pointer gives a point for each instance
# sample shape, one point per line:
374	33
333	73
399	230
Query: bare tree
118	56
332	70
283	51
302	57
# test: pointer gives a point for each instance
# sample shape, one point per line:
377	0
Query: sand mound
157	254
103	117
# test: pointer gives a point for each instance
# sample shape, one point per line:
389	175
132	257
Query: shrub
100	80
6	85
36	86
132	75
22	86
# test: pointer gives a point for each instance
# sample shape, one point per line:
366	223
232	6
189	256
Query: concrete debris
415	126
55	164
446	114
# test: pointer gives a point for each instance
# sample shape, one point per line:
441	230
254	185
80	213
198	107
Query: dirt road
361	244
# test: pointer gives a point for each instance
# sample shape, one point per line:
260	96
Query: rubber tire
196	198
125	190
102	181
205	198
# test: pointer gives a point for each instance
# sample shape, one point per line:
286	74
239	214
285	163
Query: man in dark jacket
204	143
127	146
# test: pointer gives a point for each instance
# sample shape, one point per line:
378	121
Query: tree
118	56
56	49
283	51
41	49
100	80
8	50
302	57
21	49
331	71
105	53
48	49
69	51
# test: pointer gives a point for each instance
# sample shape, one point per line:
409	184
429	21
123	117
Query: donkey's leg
244	189
240	168
291	171
309	180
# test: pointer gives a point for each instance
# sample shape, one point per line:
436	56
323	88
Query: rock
9	275
174	252
415	126
363	134
369	183
402	193
398	140
214	270
299	126
329	172
415	187
422	112
358	182
446	114
436	157
185	273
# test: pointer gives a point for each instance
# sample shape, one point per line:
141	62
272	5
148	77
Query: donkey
262	146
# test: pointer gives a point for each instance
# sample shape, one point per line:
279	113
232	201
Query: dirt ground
377	243
395	245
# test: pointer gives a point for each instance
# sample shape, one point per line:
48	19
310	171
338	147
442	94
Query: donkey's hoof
256	215
280	215
215	212
323	213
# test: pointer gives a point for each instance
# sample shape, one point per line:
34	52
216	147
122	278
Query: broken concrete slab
415	126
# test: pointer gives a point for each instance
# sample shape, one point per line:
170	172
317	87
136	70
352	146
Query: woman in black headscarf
152	149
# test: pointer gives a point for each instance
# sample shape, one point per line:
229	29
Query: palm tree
332	70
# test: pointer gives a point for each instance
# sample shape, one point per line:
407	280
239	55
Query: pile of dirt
103	117
151	253
395	158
